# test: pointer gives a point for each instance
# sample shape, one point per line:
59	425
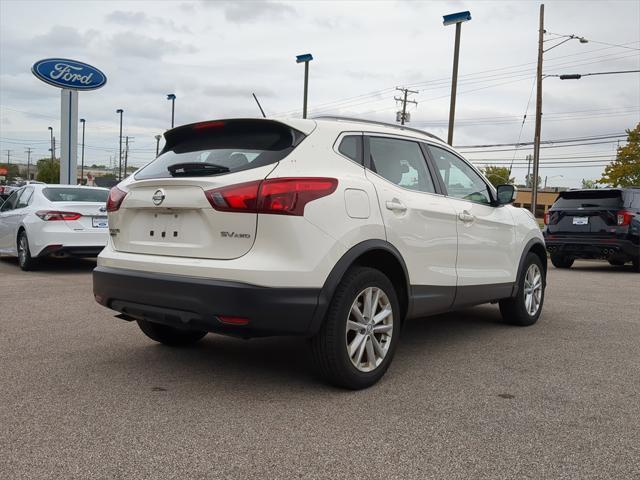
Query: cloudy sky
214	54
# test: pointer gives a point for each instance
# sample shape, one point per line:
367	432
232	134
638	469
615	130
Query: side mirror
506	194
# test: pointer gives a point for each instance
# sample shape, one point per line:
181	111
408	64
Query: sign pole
69	140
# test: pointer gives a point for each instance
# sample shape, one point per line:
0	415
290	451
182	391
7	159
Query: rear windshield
57	194
220	147
589	199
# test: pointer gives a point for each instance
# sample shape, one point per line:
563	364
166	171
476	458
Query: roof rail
375	122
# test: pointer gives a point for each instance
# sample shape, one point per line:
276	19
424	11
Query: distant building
546	198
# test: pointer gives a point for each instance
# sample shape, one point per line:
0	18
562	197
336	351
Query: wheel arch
378	254
537	247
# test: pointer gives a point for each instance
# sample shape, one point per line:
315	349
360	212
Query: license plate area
165	226
580	220
99	222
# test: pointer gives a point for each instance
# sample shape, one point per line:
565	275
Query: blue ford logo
71	74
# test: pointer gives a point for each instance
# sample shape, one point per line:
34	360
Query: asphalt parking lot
84	395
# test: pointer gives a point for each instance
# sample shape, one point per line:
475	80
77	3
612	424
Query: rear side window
351	147
401	162
25	197
60	194
219	147
589	199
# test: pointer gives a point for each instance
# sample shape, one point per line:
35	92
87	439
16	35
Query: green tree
589	184
48	170
624	171
498	175
12	171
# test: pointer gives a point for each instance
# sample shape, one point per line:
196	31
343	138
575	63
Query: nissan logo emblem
158	197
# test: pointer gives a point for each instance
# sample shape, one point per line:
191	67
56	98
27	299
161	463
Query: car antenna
259	106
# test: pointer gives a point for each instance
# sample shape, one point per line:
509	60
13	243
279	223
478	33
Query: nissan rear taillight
53	215
116	196
278	196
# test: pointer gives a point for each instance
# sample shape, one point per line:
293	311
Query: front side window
401	162
460	180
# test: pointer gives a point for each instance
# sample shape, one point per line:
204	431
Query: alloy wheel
532	289
23	248
369	329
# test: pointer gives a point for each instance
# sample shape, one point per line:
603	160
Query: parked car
332	229
38	220
600	223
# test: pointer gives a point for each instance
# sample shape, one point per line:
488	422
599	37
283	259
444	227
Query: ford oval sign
69	74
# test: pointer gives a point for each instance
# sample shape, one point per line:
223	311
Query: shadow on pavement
282	361
57	265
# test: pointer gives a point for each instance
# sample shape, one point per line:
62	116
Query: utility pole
28	152
8	157
53	149
126	155
402	116
536	137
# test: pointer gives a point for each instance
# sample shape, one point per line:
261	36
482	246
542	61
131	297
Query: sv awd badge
234	235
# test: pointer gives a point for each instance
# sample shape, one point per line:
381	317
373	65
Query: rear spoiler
209	128
594	193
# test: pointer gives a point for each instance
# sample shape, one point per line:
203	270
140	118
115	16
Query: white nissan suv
333	229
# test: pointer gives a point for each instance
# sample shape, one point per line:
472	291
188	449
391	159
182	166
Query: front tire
25	260
170	336
358	338
561	261
525	308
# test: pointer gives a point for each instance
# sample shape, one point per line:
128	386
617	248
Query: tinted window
24	199
219	147
460	179
350	146
61	194
401	162
589	199
11	202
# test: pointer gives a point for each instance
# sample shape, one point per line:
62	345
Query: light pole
536	136
172	97
549	178
53	153
82	121
120	111
456	18
305	58
158	137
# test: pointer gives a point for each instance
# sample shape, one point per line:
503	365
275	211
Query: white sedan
62	220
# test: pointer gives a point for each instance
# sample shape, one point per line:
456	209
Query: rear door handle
396	206
466	217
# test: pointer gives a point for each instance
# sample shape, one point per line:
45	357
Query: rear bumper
198	303
580	247
71	251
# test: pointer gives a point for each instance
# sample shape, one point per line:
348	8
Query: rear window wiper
196	169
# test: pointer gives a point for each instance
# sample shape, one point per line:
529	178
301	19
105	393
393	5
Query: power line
561	140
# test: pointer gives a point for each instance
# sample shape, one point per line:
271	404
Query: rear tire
170	336
636	264
616	262
358	338
25	260
561	261
525	308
